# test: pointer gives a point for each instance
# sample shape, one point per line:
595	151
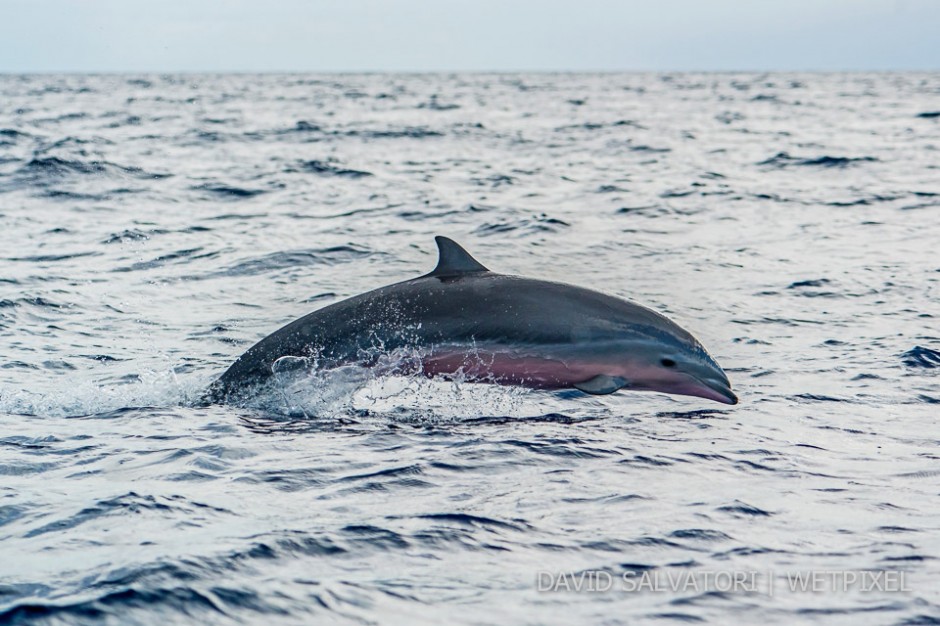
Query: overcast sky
428	35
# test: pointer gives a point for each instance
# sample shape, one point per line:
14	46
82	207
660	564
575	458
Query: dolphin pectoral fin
601	385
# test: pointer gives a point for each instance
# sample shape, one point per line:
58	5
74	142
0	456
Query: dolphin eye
668	363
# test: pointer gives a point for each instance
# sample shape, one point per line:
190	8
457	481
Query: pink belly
508	369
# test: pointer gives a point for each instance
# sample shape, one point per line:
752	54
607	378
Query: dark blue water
153	227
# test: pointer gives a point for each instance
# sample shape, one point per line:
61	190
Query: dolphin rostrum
464	321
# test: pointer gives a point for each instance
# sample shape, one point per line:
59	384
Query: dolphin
464	321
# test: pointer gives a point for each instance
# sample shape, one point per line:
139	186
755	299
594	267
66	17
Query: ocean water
154	227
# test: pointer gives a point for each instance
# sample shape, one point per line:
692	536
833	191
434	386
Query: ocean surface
153	227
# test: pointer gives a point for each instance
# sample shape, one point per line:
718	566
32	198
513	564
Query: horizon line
44	72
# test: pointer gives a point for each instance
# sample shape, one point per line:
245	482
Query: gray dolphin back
460	302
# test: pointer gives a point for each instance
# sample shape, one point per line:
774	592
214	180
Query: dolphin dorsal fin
453	259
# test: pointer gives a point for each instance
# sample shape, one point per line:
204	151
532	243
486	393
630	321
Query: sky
467	35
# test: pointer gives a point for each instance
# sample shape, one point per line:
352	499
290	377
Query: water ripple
155	226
